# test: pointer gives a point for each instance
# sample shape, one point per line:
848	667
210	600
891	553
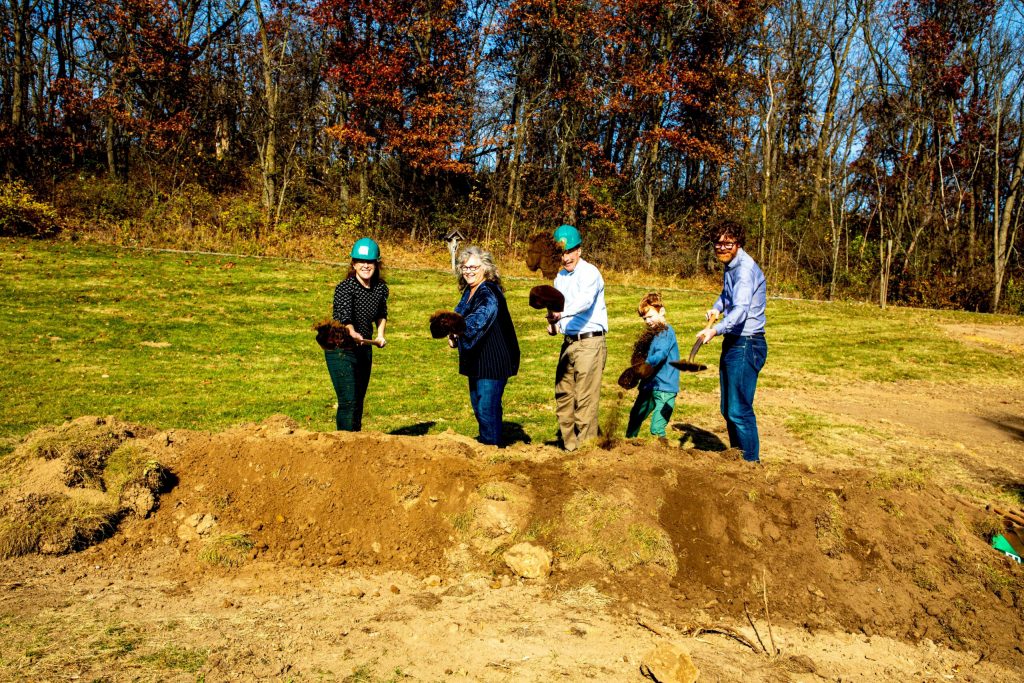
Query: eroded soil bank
276	552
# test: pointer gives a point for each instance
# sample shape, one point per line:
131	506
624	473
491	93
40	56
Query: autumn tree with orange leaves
873	148
400	74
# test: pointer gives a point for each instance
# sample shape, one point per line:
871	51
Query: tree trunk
19	96
111	150
653	179
1002	241
268	149
766	167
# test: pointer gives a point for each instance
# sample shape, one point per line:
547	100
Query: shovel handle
700	340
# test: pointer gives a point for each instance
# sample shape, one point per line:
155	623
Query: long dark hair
378	272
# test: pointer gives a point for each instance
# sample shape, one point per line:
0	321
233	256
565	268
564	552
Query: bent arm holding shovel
379	341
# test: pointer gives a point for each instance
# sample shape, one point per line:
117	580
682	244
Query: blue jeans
742	360
485	396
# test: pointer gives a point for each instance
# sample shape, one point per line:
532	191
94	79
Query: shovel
689	365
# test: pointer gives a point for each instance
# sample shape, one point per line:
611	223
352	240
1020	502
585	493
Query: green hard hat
365	249
567	237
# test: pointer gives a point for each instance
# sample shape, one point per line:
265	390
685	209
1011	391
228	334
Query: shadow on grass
418	429
513	432
702	439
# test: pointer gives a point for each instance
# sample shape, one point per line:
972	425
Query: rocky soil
278	553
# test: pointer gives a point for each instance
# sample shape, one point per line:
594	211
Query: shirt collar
740	255
574	270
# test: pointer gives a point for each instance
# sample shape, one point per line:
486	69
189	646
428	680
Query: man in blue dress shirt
583	323
744	349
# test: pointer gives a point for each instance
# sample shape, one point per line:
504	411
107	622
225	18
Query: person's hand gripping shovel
689	365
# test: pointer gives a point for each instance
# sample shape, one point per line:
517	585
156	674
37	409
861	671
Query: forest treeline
873	148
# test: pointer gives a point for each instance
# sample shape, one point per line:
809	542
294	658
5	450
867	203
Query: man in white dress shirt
583	323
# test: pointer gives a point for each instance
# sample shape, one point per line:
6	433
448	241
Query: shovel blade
687	366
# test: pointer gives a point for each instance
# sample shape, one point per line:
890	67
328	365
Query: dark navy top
489	349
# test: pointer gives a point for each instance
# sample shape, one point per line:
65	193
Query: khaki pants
578	389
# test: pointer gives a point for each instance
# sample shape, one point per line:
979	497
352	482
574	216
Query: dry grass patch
599	525
227	550
897	479
54	525
495	490
586	597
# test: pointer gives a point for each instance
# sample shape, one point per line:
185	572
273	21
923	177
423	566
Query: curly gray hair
486	261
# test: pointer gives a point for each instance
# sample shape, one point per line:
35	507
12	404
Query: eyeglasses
470	269
725	246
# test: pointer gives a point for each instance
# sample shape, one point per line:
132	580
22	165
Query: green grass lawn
202	342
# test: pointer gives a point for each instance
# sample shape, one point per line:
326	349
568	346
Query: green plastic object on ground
1000	543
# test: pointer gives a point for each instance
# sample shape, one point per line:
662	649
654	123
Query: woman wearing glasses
744	350
360	300
488	349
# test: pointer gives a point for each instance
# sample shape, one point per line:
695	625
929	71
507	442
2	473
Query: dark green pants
350	374
657	404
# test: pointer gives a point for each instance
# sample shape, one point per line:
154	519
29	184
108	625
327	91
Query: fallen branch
696	631
751	622
767	615
657	630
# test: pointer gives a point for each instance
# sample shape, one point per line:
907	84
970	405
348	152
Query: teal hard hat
567	237
365	249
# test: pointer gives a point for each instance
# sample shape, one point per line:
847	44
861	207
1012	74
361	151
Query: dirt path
267	622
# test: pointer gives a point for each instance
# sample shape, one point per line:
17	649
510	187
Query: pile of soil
694	536
66	488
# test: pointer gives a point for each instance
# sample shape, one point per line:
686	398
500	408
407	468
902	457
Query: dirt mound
67	487
694	536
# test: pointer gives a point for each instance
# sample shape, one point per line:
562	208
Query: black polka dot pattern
359	306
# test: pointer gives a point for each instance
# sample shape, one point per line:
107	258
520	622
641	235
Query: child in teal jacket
657	396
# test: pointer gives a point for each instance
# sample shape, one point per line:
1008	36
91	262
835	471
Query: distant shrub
101	200
242	217
1013	297
186	209
969	290
21	215
608	243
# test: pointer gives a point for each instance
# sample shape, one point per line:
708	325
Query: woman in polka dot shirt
360	300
